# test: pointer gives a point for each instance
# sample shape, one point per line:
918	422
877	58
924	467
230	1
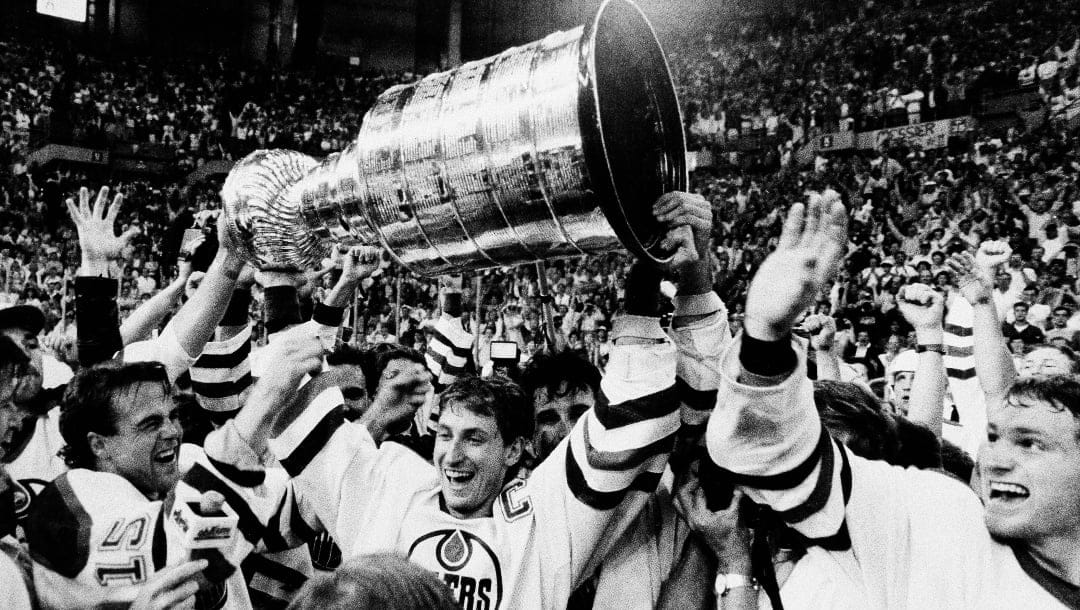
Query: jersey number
515	507
133	572
134	532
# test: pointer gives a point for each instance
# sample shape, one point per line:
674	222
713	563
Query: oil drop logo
465	563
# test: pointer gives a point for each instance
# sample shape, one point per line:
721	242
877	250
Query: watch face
721	584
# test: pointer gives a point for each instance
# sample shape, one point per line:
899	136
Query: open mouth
166	456
458	477
1008	492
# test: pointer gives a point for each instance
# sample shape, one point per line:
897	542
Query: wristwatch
727	582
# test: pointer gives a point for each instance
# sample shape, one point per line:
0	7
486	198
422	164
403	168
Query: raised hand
689	218
811	246
972	277
183	262
358	263
822	329
98	240
922	306
274	401
991	254
401	392
228	247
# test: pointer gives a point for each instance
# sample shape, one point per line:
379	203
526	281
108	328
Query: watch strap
727	582
930	347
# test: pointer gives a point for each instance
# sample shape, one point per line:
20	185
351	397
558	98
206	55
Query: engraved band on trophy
554	149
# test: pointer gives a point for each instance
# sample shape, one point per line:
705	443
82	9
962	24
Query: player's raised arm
765	432
924	309
993	364
615	454
768	439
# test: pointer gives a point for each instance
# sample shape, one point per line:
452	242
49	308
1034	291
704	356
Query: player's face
902	389
1029	471
472	461
556	416
1045	361
146	447
29	384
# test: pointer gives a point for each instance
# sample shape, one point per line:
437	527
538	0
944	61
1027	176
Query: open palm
810	247
97	234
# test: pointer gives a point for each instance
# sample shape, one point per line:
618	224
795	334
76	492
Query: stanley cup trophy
554	149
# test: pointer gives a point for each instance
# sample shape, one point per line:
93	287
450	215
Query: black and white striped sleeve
769	440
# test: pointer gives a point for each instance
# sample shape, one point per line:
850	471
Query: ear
513	452
97	445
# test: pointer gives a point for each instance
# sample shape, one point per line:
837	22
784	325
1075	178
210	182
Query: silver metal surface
557	148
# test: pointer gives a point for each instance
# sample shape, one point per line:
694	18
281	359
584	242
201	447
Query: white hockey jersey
540	541
917	538
95	539
37	463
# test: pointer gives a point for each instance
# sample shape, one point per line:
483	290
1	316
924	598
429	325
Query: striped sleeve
623	443
222	373
583	493
449	353
967	392
256	494
323	453
770	441
700	345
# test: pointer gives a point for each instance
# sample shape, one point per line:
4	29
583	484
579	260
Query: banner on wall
75	154
840	140
931	134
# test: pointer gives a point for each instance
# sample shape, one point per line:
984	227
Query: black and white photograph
539	305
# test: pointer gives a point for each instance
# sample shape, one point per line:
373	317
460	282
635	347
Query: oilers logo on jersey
24	491
465	563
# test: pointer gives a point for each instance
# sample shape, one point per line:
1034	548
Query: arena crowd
855	385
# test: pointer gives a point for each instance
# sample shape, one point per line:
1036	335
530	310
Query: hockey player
100	534
498	541
97	533
901	538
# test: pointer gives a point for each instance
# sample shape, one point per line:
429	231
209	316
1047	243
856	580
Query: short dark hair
496	397
380	580
363	358
87	405
382	354
1060	392
550	371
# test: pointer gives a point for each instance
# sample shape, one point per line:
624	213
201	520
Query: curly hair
87	405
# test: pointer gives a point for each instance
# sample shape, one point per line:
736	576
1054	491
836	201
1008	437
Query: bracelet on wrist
930	347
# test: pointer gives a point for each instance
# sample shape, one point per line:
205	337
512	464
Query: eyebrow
156	417
1022	431
463	430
